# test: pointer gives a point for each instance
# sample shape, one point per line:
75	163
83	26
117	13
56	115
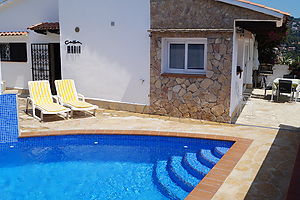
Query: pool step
219	152
165	183
206	157
180	175
193	166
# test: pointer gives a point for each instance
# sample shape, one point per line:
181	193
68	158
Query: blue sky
290	6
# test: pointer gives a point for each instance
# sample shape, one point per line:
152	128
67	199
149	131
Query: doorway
46	63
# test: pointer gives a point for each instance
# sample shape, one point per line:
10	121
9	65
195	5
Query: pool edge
209	185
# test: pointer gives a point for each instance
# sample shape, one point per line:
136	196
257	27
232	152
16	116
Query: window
13	52
181	55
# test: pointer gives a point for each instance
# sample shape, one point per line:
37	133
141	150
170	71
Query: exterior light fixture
77	29
241	31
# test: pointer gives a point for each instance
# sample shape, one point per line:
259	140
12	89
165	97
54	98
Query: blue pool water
94	167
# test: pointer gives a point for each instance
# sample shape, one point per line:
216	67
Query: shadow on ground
258	109
55	118
282	98
273	178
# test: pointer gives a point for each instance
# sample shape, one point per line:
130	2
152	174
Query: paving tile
260	155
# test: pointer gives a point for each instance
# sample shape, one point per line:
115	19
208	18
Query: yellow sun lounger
42	99
68	96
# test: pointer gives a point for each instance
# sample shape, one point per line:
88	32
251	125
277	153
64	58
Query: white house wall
17	16
114	63
236	81
240	59
250	61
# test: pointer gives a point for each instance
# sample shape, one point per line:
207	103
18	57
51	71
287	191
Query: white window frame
165	56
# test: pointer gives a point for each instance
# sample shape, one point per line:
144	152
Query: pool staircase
178	176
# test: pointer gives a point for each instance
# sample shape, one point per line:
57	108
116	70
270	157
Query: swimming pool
105	166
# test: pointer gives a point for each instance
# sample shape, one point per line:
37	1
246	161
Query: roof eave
43	28
14	33
255	8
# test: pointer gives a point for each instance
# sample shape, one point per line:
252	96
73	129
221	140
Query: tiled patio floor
260	111
262	173
294	192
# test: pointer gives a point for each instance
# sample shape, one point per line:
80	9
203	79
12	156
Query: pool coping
209	185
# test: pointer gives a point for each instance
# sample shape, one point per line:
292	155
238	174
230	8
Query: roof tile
45	26
14	33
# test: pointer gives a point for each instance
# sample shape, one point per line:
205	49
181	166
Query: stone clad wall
200	14
205	97
200	98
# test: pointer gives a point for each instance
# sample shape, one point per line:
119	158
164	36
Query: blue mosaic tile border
9	125
189	144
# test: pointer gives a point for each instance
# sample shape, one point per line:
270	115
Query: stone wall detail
206	97
200	14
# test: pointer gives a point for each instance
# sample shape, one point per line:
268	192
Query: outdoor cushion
40	92
42	99
66	90
79	104
51	107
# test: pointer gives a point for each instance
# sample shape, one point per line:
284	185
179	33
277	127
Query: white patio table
295	85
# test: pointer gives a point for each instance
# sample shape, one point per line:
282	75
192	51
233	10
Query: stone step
165	184
219	152
206	157
193	166
180	175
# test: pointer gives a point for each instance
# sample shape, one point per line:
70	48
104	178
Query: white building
105	46
16	16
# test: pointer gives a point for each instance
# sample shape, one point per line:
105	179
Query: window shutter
18	52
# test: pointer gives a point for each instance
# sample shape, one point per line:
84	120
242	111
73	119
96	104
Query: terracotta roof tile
263	6
14	33
45	26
